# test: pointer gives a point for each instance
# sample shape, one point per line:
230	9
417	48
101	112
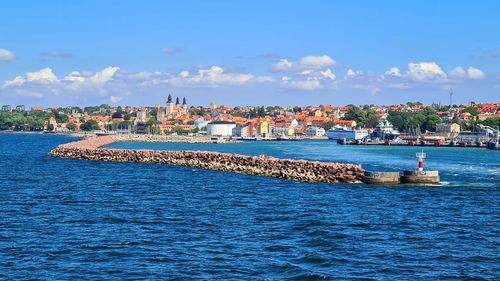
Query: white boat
348	134
385	130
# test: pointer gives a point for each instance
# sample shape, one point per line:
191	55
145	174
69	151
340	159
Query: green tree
89	126
71	126
364	117
472	110
328	125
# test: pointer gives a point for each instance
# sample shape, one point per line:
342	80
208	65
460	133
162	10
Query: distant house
447	130
200	123
51	124
315	131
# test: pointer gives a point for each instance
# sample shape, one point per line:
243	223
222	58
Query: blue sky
58	53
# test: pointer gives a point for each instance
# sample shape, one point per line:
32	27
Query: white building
315	132
221	128
142	116
200	123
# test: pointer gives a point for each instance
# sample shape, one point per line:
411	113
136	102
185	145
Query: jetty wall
300	170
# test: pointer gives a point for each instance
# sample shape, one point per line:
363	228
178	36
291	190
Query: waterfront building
51	124
237	131
200	123
117	117
315	131
160	114
264	128
447	130
221	128
346	123
142	116
245	132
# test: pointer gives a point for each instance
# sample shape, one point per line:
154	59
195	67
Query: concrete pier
420	177
300	170
382	177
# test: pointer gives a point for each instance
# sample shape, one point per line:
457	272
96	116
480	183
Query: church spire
177	101
169	99
184	101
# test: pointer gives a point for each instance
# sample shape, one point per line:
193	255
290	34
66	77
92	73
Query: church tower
169	110
184	103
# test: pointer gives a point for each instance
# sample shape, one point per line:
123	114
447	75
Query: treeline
364	116
419	121
423	120
24	121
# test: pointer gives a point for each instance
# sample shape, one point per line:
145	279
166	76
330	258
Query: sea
68	219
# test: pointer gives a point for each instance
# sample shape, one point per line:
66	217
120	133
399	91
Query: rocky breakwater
300	170
161	138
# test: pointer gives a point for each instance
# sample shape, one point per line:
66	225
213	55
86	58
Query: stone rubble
300	170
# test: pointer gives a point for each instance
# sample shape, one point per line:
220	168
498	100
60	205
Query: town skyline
219	51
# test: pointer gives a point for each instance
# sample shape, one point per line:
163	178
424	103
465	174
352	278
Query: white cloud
307	63
328	74
18	81
458	72
76	80
142	76
104	75
282	64
475	73
6	55
307	72
351	73
425	71
115	99
74	76
317	61
216	76
308	85
264	79
44	76
394	72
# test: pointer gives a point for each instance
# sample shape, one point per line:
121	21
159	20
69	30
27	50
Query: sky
66	53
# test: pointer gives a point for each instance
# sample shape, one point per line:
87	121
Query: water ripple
69	219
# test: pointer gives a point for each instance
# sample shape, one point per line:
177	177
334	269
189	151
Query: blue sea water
66	219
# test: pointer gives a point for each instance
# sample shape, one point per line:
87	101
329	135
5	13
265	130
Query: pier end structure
300	170
424	177
382	177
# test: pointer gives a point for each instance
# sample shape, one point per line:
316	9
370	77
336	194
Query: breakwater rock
300	170
161	138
